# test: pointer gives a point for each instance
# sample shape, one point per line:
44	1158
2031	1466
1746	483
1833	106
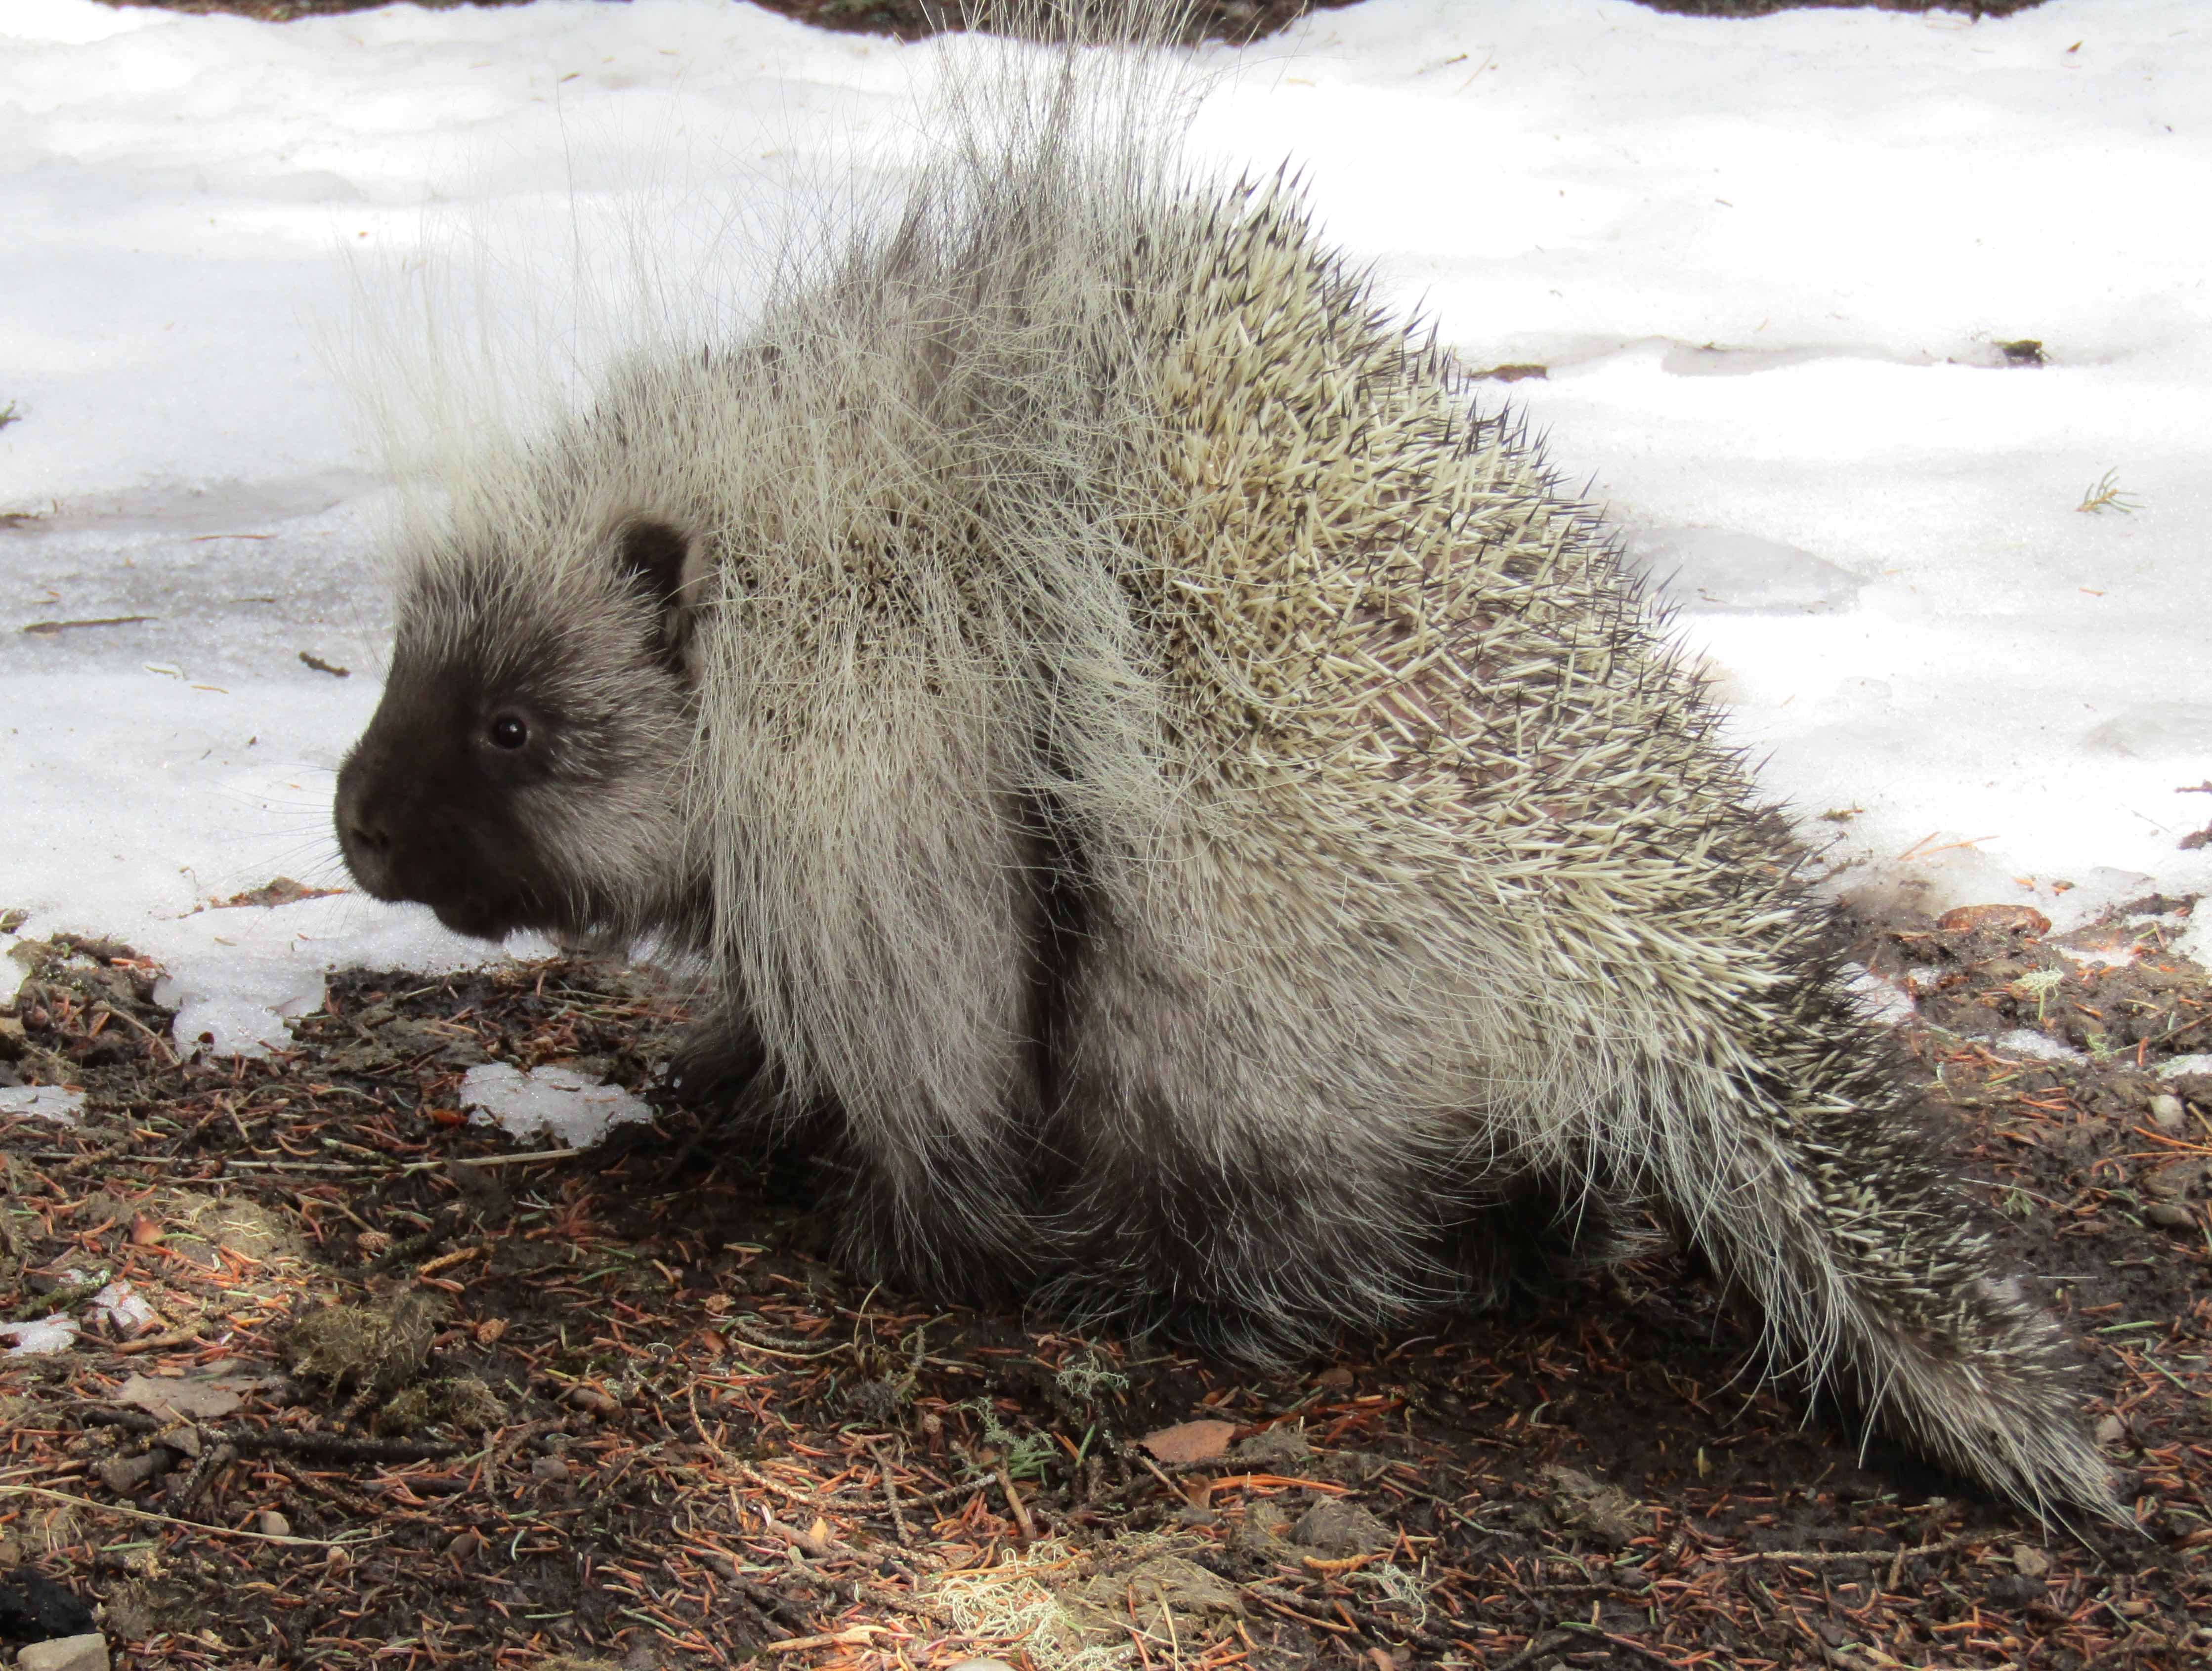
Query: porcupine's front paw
721	1069
952	1243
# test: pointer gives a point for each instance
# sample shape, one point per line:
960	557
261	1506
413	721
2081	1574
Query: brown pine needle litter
610	1407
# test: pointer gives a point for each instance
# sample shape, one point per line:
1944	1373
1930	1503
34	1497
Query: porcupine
1192	816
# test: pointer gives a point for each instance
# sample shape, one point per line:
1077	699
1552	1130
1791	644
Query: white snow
59	1104
2175	1067
1881	1001
55	1332
556	1103
2026	1042
123	1309
1769	264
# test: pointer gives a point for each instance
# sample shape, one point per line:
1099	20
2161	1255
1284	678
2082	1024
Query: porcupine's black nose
364	837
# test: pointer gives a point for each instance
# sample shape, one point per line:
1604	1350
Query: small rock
1340	1528
124	1474
2028	1562
2005	919
2170	1215
591	1401
549	1468
67	1653
2167	1113
983	1665
273	1525
2110	1431
2173	1181
1189	1441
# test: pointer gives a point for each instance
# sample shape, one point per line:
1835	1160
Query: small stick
931	1500
1014	1501
404	1170
217	1458
1538	1646
891	1494
188	1525
854	1636
1815	1557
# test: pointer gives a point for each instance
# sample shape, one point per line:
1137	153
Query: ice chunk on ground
2026	1042
59	1104
553	1102
53	1333
1718	570
237	1005
123	1309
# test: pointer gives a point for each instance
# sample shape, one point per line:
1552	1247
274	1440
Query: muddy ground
388	1388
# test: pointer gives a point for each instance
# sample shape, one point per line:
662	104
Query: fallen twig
129	1513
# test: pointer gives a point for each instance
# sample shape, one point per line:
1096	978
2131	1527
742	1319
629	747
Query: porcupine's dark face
524	769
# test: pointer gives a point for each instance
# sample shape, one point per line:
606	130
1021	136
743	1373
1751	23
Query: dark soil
1214	20
511	1406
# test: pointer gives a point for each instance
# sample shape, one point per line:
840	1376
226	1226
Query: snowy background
1768	263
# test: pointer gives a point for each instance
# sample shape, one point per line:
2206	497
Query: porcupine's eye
508	731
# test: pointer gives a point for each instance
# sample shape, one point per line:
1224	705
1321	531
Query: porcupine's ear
667	564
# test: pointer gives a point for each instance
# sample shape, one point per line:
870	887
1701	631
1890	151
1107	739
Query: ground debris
626	1414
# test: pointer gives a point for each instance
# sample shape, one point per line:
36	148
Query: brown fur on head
525	767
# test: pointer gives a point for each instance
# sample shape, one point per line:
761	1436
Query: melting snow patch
1880	1000
557	1102
2095	957
59	1104
55	1332
2198	1062
2194	942
237	1006
2026	1042
123	1310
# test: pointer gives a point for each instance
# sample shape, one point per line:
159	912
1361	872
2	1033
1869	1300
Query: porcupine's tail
1824	1203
